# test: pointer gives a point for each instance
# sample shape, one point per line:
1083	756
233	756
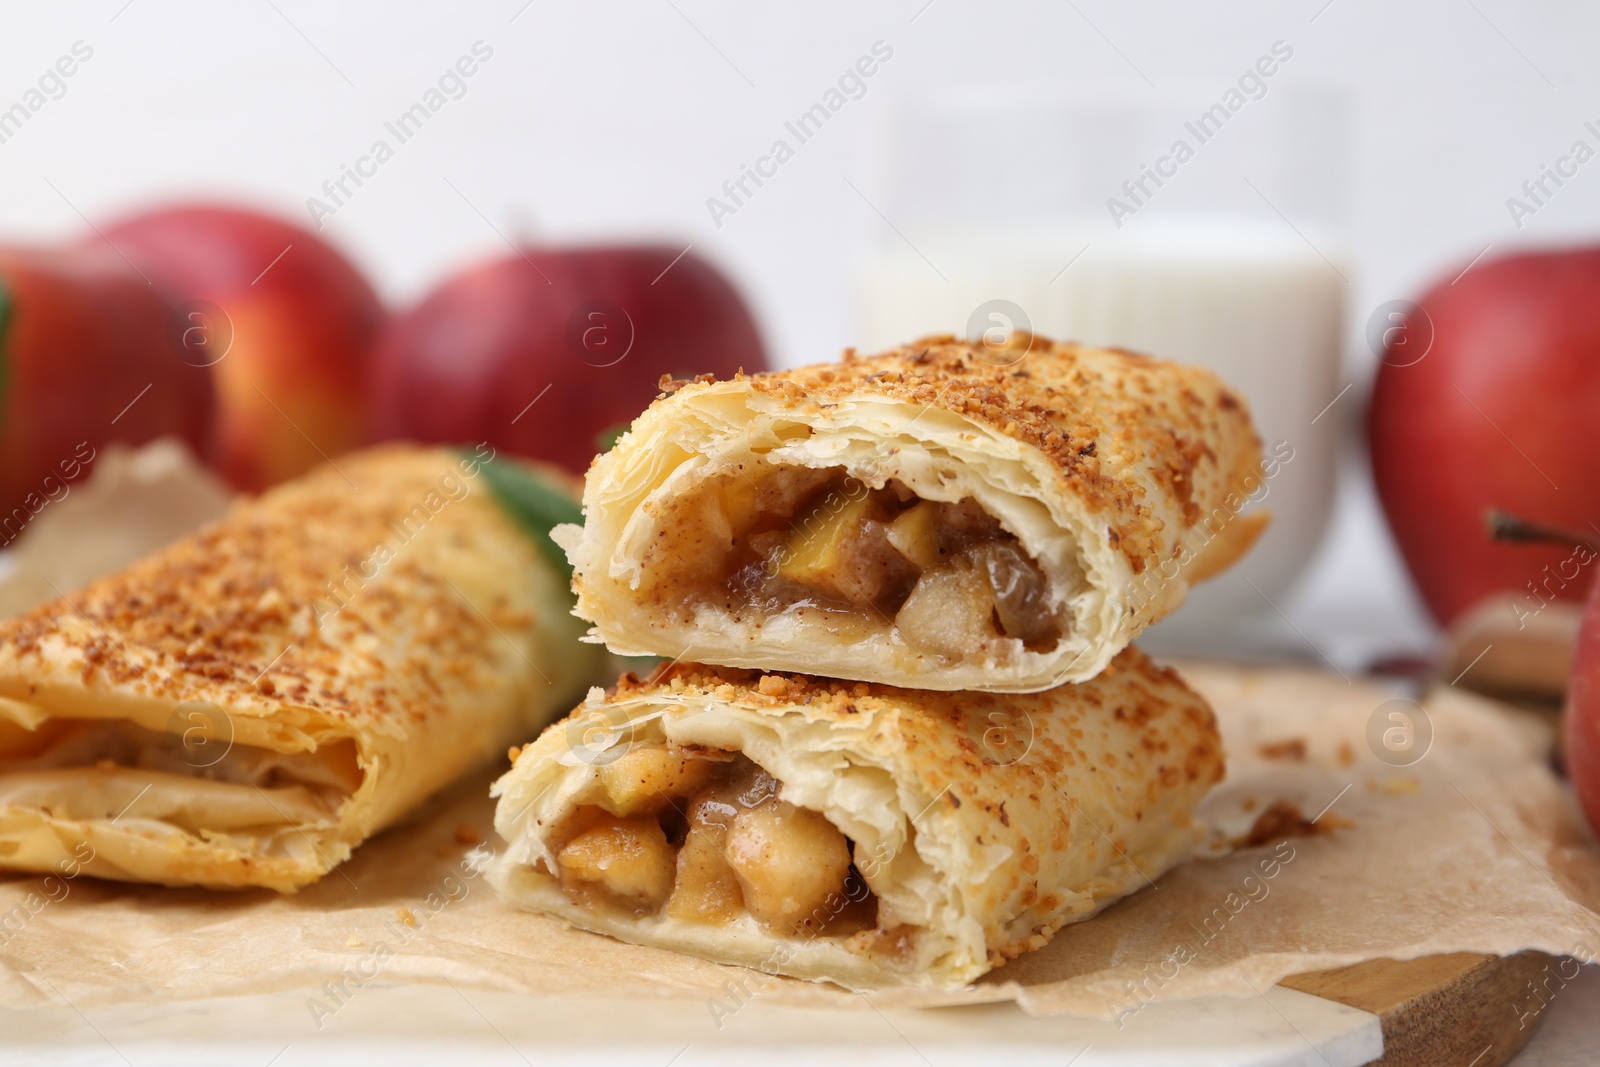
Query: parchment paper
133	501
1474	847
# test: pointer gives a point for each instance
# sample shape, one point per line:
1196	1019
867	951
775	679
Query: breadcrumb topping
289	599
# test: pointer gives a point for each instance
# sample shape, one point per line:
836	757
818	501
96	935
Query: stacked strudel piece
901	736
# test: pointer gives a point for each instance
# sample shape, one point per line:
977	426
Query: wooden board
1463	1008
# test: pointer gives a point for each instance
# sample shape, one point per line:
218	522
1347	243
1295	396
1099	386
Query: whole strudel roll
947	515
246	706
854	832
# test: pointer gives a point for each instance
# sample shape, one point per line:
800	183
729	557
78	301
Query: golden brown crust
1021	812
1063	399
1137	692
1229	546
1113	471
389	599
241	595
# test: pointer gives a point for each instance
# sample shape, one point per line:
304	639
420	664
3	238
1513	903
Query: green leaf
607	440
537	505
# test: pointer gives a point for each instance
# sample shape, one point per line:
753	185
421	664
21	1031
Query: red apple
84	361
292	343
1499	411
1583	712
542	352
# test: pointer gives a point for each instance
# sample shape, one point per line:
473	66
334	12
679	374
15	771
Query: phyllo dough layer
247	705
944	516
854	832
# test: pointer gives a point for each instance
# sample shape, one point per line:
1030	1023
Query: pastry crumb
1283	819
1292	749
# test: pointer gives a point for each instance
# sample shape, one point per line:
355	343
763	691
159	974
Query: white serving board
406	1025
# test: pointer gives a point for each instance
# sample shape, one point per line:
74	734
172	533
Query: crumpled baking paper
133	501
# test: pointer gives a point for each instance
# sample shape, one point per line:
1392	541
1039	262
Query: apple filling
113	769
701	835
947	576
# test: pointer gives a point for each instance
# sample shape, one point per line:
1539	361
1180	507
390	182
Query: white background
620	119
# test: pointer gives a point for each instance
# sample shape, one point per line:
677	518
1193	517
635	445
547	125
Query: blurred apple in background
84	360
1489	397
543	352
1582	748
291	346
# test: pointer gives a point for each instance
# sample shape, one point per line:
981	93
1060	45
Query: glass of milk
1164	221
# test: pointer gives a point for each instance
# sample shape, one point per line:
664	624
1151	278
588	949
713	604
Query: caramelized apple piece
816	553
842	551
949	611
648	777
740	501
915	534
628	860
789	862
707	890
